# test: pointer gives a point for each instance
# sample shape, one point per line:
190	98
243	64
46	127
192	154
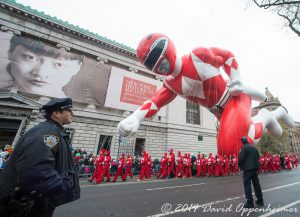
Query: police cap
57	105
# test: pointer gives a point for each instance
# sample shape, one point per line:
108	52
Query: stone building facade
95	126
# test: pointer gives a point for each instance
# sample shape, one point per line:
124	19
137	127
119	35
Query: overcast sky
268	53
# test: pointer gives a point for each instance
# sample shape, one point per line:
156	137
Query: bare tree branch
269	4
287	9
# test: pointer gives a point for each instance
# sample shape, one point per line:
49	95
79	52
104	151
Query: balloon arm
130	125
237	87
255	94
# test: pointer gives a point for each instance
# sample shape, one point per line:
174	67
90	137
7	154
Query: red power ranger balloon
197	78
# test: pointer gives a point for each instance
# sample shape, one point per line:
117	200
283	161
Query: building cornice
40	18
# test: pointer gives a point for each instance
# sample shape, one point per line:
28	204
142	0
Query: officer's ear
56	114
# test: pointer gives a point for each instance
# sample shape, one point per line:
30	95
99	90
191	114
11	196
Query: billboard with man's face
31	66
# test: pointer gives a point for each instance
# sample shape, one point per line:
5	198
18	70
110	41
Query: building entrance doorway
139	146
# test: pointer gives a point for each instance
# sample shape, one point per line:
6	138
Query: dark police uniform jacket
42	164
248	158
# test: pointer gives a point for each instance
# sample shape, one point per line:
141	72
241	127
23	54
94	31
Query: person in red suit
121	165
128	165
210	165
149	167
144	165
197	78
179	165
189	166
106	168
198	165
294	160
268	160
273	163
235	163
287	161
261	163
163	167
278	164
185	165
203	163
226	170
218	165
98	166
171	164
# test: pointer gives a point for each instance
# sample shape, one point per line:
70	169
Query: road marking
230	199
283	186
134	182
177	186
280	209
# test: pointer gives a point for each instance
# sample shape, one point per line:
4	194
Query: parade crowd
5	152
171	166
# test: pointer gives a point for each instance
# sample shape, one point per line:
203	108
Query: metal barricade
85	170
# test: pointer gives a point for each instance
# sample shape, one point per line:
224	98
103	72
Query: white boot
281	114
269	121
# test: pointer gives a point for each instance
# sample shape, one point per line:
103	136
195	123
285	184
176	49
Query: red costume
226	170
163	167
210	165
268	160
203	163
121	165
144	165
98	167
218	165
189	167
235	165
198	165
128	164
262	163
287	161
179	165
149	167
106	168
171	164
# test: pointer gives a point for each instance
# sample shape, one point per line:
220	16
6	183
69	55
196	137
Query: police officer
40	174
248	162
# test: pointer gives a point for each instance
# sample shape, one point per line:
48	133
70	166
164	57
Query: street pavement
205	196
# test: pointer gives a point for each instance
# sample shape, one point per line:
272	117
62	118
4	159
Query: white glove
235	87
129	126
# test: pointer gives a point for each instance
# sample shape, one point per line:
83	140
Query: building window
104	143
192	113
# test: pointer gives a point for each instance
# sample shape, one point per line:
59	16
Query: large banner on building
127	90
32	66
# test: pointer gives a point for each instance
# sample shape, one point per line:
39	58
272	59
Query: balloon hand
235	87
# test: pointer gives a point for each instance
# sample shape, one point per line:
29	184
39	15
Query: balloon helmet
158	53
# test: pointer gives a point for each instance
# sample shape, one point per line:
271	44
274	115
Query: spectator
249	163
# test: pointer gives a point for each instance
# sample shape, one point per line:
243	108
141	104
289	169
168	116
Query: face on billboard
39	73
